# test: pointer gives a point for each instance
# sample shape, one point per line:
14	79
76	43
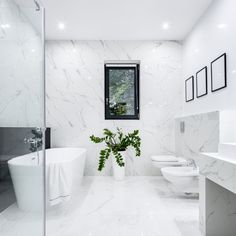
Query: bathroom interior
117	118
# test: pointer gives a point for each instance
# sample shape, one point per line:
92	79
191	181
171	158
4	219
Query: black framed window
122	91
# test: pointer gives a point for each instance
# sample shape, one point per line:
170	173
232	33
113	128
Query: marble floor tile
138	206
14	222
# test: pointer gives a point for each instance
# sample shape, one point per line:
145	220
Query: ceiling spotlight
61	26
165	26
5	26
222	26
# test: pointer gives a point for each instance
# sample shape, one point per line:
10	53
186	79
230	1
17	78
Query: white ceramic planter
118	172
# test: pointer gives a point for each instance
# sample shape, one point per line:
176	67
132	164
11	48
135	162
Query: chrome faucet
192	163
35	142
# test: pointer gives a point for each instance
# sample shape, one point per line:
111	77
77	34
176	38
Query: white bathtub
27	175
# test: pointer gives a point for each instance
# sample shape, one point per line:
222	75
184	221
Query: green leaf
115	143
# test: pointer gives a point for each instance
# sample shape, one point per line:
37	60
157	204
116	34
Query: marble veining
14	222
145	206
21	66
220	210
218	170
75	96
201	135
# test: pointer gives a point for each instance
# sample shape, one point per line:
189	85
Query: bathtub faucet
36	140
192	163
34	146
33	141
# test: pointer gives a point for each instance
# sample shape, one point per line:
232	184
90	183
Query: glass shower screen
22	119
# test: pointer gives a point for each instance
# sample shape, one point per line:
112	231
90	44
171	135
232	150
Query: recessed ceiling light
222	26
5	26
165	26
61	26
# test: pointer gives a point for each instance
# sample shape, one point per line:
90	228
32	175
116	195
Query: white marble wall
21	67
201	134
75	96
207	41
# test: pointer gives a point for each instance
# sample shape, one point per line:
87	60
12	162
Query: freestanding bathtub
27	174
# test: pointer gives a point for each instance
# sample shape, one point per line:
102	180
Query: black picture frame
120	66
190	81
204	73
223	78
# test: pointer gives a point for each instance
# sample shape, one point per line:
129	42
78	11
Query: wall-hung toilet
184	178
182	173
161	161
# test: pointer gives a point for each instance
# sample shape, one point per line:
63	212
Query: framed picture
218	73
201	82
189	89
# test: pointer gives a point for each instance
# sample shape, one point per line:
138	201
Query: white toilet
182	173
184	178
161	161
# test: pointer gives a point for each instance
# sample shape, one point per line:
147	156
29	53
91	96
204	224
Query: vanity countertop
219	168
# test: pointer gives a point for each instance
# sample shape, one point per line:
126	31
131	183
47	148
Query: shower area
22	119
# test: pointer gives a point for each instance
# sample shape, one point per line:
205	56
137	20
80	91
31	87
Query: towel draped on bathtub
60	181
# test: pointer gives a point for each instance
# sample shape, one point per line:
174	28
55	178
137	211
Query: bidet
160	161
185	179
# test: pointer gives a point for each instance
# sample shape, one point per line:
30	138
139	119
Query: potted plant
116	146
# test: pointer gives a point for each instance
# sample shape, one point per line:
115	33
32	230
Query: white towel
60	180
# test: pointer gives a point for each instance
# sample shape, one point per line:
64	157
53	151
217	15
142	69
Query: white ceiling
121	19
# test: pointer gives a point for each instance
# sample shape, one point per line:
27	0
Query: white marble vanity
218	191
